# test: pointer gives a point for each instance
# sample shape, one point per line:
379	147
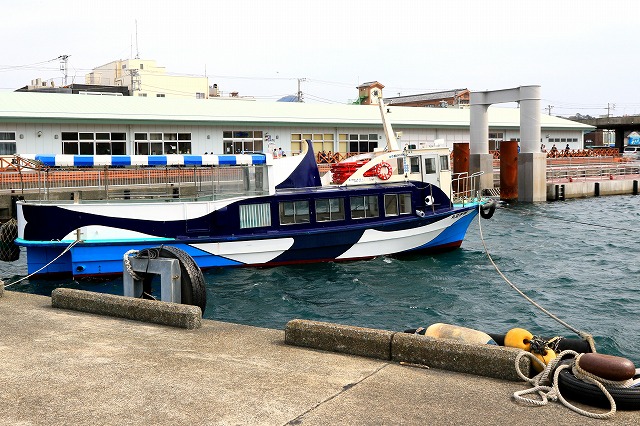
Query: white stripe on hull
253	252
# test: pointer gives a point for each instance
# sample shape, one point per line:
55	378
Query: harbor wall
582	189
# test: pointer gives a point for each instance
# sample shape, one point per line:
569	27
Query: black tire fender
192	286
572	387
487	209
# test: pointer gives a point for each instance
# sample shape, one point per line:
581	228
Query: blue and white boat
387	202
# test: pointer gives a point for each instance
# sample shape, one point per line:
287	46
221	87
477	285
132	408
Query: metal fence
117	181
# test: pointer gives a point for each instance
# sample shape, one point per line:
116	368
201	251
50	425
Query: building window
255	215
237	141
361	142
364	206
397	204
329	209
7	143
99	143
160	95
162	143
294	212
199	95
320	141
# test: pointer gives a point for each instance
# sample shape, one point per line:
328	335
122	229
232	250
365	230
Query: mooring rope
588	337
45	266
128	267
549	389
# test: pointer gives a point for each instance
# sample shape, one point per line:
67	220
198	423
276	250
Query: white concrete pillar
530	119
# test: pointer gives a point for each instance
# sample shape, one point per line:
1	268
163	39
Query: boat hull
105	257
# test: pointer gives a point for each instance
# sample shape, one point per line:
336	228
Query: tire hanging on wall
192	286
487	209
9	251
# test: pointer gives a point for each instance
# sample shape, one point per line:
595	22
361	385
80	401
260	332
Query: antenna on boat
392	142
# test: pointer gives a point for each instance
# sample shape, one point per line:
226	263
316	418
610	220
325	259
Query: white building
47	123
145	79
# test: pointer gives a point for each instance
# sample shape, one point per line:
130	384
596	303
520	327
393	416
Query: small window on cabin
391	204
364	206
397	204
414	164
255	215
429	165
292	212
329	209
444	162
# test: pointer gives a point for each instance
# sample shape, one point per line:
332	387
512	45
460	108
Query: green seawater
576	258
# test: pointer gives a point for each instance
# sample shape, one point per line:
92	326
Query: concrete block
1	288
482	360
173	314
339	338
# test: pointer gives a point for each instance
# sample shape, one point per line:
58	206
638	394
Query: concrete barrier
482	360
351	340
173	314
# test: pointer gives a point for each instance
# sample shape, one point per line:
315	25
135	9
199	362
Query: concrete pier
59	366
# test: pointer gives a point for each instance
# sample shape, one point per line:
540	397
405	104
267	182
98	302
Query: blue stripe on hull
453	234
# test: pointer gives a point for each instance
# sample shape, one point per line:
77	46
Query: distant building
144	78
443	99
369	93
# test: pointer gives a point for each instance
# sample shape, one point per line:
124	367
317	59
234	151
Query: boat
389	202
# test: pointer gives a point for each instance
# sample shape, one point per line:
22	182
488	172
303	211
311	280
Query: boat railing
464	187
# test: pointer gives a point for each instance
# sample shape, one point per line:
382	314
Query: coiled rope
128	267
588	337
549	389
69	247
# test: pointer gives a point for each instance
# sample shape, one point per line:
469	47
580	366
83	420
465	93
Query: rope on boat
69	247
588	337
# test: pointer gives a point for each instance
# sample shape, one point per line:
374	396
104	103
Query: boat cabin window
255	215
329	209
414	164
444	162
429	165
364	206
292	212
397	204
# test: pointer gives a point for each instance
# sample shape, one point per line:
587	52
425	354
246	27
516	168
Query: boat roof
56	107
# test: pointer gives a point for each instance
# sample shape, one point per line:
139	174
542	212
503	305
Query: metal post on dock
170	278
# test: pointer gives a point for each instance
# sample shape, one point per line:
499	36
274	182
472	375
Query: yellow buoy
518	338
546	358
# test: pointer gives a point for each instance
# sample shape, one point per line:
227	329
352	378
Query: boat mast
392	143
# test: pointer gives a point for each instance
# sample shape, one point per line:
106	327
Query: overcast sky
584	53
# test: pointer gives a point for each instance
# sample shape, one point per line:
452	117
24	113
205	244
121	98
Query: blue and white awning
65	160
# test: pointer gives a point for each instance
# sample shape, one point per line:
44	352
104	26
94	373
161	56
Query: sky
583	53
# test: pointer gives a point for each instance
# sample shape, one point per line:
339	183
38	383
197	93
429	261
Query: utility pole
610	107
300	80
63	66
548	108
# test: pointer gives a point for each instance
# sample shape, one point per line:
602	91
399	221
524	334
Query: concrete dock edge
1	288
482	360
346	339
157	312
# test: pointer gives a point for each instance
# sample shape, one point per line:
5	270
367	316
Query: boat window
255	215
414	164
429	165
444	162
294	212
364	206
397	204
329	209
